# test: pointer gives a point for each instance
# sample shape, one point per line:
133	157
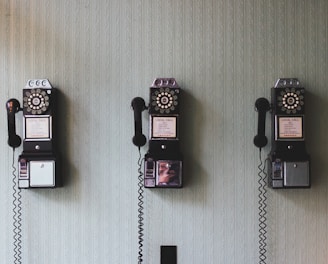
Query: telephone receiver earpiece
262	106
138	105
13	106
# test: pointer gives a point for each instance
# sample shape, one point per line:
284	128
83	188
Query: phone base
163	173
37	172
289	174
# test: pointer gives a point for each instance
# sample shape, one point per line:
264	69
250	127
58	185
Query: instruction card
290	127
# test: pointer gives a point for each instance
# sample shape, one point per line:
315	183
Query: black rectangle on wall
168	255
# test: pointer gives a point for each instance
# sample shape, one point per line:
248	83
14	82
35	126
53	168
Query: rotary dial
36	101
290	101
164	100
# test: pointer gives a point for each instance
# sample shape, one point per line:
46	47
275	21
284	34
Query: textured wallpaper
224	54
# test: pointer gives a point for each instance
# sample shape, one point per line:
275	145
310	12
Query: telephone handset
262	105
289	162
138	105
163	161
13	107
38	162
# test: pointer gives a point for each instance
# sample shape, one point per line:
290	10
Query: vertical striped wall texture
224	54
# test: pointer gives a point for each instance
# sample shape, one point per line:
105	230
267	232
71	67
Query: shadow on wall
190	133
63	135
316	137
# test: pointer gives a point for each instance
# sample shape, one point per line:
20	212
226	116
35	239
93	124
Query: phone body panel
289	165
38	164
164	156
163	162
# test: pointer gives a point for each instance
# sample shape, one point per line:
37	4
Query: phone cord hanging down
17	216
262	205
140	209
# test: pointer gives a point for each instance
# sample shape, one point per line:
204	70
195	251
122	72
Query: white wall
224	54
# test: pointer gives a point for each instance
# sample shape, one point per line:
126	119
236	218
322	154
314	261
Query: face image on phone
168	173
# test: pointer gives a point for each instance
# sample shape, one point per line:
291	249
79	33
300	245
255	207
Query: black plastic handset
13	106
138	105
262	105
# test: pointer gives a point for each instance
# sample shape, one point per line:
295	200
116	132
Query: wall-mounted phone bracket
289	165
38	163
163	161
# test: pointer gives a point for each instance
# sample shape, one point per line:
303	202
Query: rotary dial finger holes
36	101
165	100
291	101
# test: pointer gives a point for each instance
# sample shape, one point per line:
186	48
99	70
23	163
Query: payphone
38	163
163	162
289	162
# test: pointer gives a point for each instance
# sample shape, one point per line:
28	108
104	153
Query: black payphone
289	162
163	161
38	163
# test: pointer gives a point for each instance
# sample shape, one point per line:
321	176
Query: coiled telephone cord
17	216
140	209
262	205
